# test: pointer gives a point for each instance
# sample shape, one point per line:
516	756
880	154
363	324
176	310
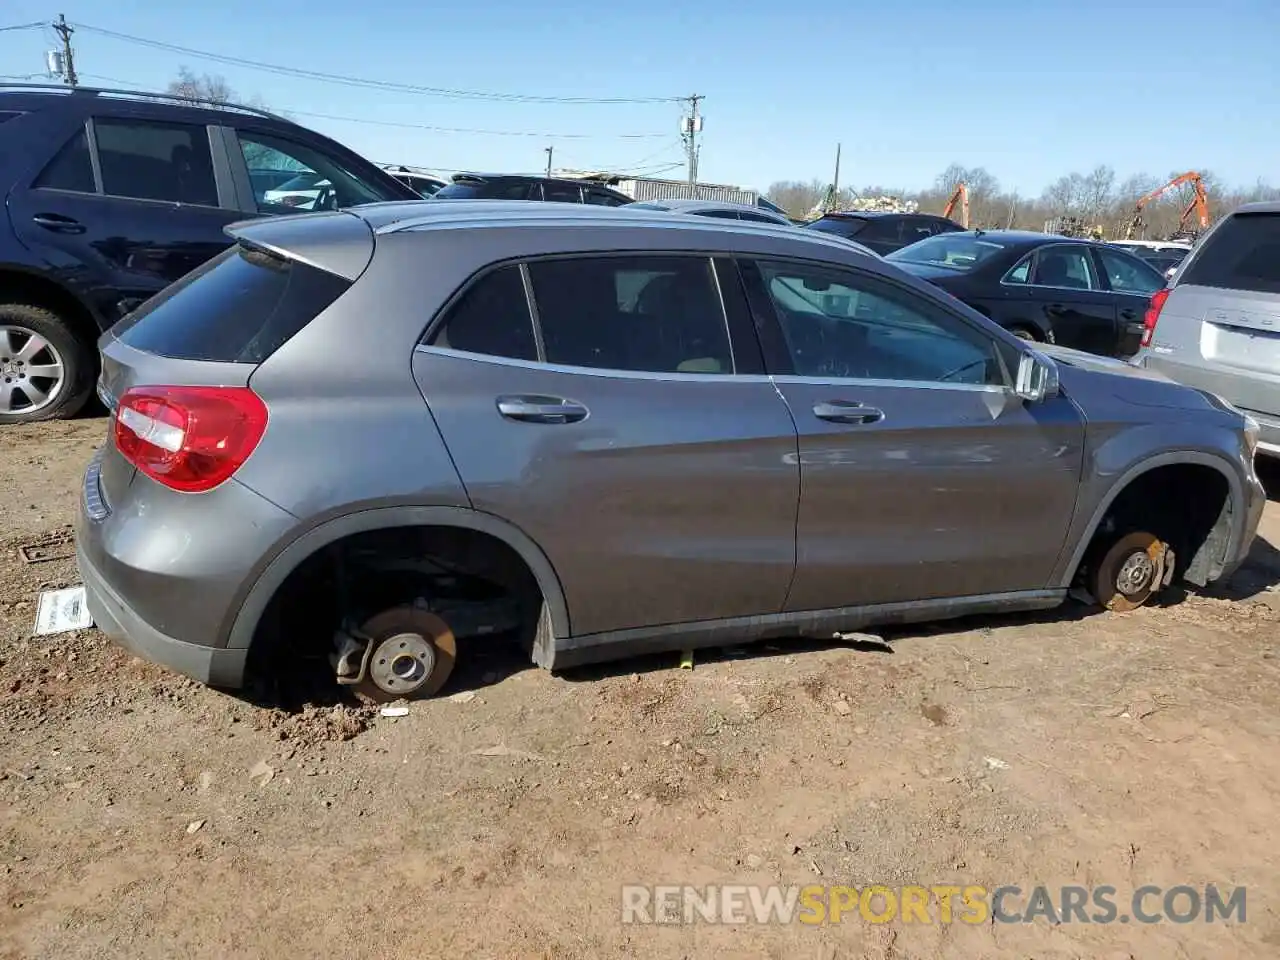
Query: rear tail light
189	438
1152	316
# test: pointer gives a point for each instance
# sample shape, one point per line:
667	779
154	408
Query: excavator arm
1199	203
960	195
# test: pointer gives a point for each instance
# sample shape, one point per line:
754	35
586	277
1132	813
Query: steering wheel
980	362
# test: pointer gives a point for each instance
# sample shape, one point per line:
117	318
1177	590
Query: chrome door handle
541	409
57	223
847	411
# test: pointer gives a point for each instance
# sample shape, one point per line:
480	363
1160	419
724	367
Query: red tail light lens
189	438
1152	316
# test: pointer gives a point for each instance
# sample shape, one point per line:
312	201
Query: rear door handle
1128	313
540	409
847	411
1055	309
57	223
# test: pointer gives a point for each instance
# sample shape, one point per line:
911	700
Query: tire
1024	333
65	397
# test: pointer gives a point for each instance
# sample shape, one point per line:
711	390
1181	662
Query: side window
70	168
838	324
147	160
290	177
1021	271
718	214
1064	265
516	191
491	317
654	314
1128	274
918	228
561	192
757	218
601	199
888	229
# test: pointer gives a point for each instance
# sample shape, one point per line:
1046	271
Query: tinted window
561	192
239	307
759	218
482	190
156	161
840	226
917	229
1242	254
602	199
491	317
718	214
1021	273
1129	274
329	183
70	169
838	324
658	314
1064	266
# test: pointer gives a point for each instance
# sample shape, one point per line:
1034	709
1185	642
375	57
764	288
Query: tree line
1096	199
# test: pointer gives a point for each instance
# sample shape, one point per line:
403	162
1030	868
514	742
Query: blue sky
1031	89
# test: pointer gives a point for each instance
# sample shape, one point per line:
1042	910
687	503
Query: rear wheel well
1186	505
476	582
19	287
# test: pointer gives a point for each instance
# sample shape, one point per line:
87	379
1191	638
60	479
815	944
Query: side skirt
556	653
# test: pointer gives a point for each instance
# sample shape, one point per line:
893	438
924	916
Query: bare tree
206	87
796	197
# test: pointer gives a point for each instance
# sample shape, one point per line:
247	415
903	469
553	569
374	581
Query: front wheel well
1186	505
477	583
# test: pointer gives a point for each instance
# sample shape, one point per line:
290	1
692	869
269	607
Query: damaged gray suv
357	438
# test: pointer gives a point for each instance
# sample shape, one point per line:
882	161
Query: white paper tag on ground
62	610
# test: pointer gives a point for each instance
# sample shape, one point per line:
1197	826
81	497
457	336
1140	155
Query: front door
622	430
922	475
125	208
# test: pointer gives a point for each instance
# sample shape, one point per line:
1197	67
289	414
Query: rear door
600	404
1132	282
1220	327
922	476
133	202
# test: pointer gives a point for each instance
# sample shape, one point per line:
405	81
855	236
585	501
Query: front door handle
847	411
540	409
57	223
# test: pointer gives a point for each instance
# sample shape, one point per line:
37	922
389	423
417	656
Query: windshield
957	251
840	226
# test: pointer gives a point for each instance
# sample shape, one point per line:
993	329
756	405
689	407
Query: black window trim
777	355
708	257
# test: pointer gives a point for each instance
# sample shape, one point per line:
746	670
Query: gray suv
360	436
1217	326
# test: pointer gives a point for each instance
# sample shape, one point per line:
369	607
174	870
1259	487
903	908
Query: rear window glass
240	307
483	190
1242	254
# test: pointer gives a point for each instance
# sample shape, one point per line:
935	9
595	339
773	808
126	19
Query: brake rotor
413	653
1130	572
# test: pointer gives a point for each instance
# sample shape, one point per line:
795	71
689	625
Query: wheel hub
1135	574
400	664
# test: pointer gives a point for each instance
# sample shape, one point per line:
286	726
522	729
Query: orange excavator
1199	205
960	195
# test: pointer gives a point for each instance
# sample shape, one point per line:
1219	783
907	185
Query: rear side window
653	314
492	318
149	160
841	226
239	307
1242	254
561	192
70	169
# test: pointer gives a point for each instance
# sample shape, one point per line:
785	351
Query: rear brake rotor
412	655
1130	572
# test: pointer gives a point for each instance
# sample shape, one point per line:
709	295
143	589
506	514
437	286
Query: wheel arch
35	287
1235	495
284	563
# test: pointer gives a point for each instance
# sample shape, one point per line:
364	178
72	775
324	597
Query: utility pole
548	151
65	31
690	127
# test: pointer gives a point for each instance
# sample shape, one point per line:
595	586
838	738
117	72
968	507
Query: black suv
884	232
515	186
112	195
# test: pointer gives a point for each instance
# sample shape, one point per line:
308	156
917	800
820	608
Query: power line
422	126
364	81
35	24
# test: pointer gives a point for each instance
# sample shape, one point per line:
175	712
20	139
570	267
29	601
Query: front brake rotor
1130	572
410	655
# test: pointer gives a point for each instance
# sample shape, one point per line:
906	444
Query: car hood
1097	364
1094	383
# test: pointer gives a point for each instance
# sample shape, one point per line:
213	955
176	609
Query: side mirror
1037	377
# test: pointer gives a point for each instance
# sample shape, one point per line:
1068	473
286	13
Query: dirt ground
144	816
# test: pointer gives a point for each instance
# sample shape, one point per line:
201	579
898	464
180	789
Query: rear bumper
113	616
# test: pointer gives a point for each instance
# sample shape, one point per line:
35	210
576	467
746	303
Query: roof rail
144	95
